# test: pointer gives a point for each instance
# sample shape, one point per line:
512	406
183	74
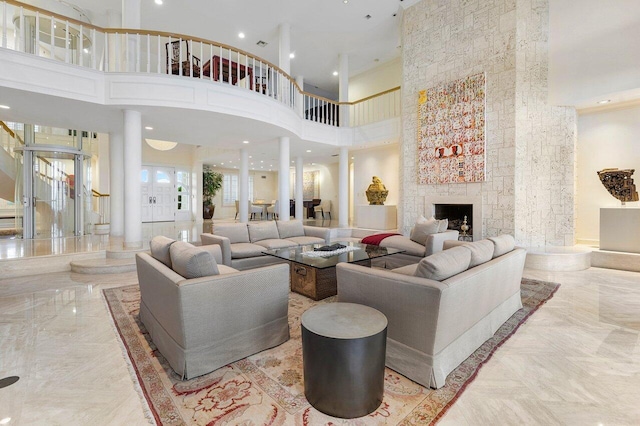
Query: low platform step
124	253
103	266
616	260
575	258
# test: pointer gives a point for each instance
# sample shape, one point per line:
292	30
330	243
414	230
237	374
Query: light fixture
158	1
335	73
345	1
5	421
251	156
604	101
245	141
270	165
241	35
308	150
161	145
261	161
5	107
85	50
292	55
222	164
148	128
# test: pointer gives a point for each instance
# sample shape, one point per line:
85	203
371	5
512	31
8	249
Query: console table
237	71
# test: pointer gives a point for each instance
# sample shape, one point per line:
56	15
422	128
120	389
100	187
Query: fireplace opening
455	213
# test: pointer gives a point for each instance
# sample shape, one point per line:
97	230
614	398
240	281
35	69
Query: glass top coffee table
315	277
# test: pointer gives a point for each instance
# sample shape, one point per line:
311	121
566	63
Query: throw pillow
191	261
443	224
502	244
290	228
481	252
421	231
444	264
159	247
423	219
263	231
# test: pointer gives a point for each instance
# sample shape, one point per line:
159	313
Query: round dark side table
343	352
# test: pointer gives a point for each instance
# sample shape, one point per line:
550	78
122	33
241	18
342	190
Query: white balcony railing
29	29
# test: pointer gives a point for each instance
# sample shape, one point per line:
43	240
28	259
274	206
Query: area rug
268	388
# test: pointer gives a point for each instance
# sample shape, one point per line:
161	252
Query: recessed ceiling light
85	50
5	420
335	73
345	1
293	161
241	35
352	158
270	165
604	101
308	150
261	161
251	156
5	107
313	164
292	55
158	1
245	141
148	128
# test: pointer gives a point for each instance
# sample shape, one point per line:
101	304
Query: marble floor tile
576	361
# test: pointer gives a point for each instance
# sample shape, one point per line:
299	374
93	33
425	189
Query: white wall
383	162
385	77
606	139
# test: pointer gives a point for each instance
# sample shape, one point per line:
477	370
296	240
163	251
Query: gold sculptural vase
619	184
376	192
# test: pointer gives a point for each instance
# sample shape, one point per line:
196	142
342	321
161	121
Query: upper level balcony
90	73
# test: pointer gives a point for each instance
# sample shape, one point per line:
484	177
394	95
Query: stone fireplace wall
444	40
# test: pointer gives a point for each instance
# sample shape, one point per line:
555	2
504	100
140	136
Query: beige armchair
202	324
273	209
323	207
254	210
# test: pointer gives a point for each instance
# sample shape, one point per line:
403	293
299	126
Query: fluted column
299	188
343	188
243	187
116	183
283	179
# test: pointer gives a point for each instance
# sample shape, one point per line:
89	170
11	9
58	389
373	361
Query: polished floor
576	361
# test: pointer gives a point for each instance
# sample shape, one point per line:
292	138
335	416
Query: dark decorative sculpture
376	192
619	184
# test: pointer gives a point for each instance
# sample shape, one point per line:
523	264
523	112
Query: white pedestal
376	217
620	229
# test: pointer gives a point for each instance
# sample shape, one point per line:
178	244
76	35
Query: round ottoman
343	352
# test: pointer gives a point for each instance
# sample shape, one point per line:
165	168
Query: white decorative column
284	61
299	191
283	179
196	192
343	188
243	187
116	183
132	167
131	19
343	88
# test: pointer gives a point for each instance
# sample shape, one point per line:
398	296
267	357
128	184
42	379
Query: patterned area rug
267	388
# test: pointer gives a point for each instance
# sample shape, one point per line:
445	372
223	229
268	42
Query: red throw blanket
375	239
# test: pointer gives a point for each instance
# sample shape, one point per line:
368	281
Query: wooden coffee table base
316	283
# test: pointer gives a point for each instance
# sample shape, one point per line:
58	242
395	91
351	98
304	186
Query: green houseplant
211	184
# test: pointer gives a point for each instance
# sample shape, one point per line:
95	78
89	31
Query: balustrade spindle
66	42
159	55
106	52
138	55
190	49
22	31
4	25
179	57
201	61
37	49
170	57
211	62
117	53
148	53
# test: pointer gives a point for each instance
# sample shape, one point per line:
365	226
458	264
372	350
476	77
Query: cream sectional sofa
443	308
243	244
414	252
203	315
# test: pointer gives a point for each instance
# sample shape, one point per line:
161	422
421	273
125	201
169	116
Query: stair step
103	266
123	254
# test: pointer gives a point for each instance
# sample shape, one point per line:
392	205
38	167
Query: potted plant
211	184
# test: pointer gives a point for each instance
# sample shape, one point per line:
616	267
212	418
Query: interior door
158	194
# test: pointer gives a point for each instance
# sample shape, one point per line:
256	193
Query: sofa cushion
406	270
276	243
235	232
290	228
244	250
215	251
444	264
481	252
263	231
159	247
421	231
502	244
403	243
224	269
302	241
191	261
